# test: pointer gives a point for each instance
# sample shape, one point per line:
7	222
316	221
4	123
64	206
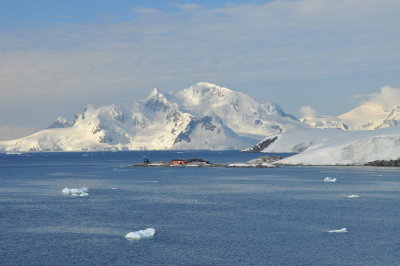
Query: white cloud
144	10
308	111
187	7
247	44
388	97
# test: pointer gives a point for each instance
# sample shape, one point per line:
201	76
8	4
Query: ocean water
202	216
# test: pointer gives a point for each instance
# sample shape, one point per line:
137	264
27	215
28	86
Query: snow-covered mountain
351	148
240	112
380	111
203	116
370	116
334	146
322	122
61	122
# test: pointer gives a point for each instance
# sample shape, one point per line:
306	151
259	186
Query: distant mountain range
370	115
370	133
203	116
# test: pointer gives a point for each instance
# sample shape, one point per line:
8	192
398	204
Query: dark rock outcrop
395	163
262	145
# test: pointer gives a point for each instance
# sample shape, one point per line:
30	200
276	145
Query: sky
56	57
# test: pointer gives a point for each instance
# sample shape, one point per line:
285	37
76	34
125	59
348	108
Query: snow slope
351	148
203	116
296	141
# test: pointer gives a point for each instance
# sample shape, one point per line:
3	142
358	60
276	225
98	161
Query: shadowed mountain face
203	116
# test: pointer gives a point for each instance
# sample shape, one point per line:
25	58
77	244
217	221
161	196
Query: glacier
333	146
202	116
352	148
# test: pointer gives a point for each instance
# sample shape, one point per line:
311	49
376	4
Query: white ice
353	196
141	234
330	179
76	192
342	230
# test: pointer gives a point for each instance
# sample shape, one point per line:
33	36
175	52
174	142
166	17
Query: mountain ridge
379	111
202	116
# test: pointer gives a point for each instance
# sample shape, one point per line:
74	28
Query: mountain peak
155	93
61	122
158	101
206	87
157	96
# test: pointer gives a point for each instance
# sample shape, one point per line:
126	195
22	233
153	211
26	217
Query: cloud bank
308	111
388	98
238	45
15	132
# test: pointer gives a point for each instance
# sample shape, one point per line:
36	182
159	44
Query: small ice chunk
141	234
353	196
330	179
342	230
76	192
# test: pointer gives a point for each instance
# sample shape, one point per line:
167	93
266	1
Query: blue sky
90	11
56	57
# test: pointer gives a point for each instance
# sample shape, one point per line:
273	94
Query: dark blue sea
202	216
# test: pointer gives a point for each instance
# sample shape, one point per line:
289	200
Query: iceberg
141	234
342	230
76	192
330	179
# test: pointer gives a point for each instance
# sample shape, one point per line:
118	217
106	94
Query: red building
178	162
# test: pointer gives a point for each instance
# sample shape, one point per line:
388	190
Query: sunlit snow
141	234
76	192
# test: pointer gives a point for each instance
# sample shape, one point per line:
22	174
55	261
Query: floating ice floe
342	230
141	234
353	196
76	192
330	179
